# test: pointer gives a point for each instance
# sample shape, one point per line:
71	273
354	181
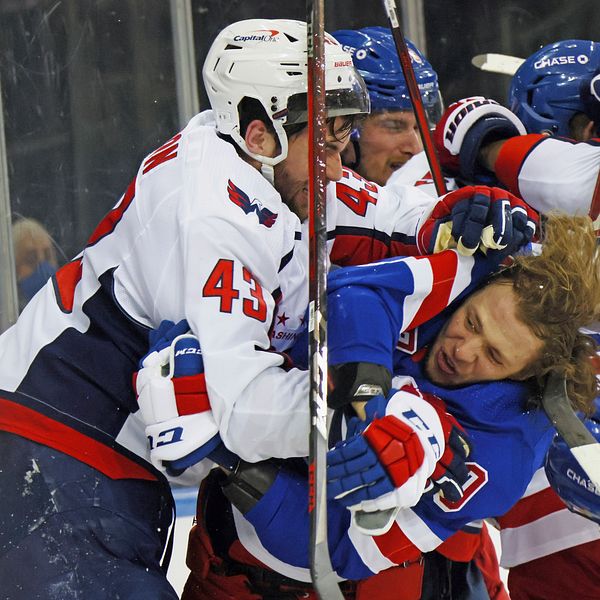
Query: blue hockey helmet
374	54
545	92
569	480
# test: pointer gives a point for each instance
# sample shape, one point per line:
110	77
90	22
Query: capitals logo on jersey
241	199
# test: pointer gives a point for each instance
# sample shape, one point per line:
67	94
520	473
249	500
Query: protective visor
353	100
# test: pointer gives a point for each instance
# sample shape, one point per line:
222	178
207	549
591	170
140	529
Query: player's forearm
281	515
488	155
549	173
375	222
269	419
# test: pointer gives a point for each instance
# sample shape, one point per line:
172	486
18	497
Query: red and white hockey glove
475	217
387	461
174	405
465	127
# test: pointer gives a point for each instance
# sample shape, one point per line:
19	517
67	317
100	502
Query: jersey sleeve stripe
531	508
552	533
417	531
511	158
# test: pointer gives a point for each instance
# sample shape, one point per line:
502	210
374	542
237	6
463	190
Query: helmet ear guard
266	59
590	98
545	91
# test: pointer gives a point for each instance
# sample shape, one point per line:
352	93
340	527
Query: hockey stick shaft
415	96
323	577
581	442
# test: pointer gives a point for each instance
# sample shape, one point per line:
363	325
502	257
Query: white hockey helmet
266	59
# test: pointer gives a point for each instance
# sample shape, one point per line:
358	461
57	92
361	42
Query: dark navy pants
69	532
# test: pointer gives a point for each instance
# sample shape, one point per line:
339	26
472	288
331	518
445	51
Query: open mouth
444	363
396	165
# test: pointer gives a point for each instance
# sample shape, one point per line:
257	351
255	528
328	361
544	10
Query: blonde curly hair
559	293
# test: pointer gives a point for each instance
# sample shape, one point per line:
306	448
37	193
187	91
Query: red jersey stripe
34	426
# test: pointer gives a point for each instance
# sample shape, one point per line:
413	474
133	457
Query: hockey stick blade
497	63
581	442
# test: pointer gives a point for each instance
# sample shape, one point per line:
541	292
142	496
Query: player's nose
411	142
466	351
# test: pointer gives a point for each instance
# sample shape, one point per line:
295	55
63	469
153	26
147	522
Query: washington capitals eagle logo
241	199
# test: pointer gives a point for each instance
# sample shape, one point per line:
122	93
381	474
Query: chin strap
356	147
266	162
268	172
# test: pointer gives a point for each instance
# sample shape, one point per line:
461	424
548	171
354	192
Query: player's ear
259	139
589	131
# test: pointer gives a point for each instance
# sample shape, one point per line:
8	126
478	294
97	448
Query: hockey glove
451	472
467	126
386	462
373	463
478	217
174	405
370	469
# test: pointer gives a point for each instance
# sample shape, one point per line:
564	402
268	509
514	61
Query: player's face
291	175
387	140
484	340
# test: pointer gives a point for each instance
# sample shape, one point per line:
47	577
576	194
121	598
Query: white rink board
185	506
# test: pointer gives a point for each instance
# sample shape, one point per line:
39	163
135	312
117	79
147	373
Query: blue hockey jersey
368	307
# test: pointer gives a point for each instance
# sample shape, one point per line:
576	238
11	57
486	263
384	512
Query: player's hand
174	405
473	217
374	463
465	127
451	472
382	464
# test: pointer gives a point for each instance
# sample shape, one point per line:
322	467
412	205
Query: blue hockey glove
377	458
467	126
385	462
174	405
475	217
373	463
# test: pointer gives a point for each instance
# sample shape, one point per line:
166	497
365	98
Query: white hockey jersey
551	173
540	524
416	172
548	173
200	235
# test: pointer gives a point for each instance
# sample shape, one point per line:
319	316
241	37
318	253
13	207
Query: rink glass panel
89	87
